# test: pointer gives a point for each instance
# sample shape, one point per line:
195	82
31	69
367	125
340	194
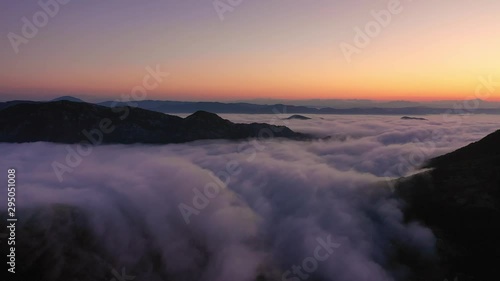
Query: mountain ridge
459	199
72	122
252	108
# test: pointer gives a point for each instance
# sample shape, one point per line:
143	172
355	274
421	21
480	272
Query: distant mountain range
68	98
249	108
73	122
364	103
358	107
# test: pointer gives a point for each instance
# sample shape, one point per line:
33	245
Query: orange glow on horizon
262	52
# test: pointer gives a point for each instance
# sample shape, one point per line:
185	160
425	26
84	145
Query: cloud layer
218	210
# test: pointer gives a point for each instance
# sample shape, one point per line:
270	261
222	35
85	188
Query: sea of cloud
221	210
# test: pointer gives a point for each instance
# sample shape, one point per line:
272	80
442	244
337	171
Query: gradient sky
262	49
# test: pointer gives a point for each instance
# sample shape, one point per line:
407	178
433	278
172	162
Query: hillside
73	122
460	200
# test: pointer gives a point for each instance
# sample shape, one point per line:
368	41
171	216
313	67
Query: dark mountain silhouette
482	152
280	108
73	122
298	117
68	98
413	118
249	108
14	102
460	200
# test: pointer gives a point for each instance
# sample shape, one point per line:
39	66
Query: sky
294	49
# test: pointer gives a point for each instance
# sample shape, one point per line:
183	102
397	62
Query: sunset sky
431	50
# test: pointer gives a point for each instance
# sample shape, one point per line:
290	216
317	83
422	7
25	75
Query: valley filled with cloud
235	210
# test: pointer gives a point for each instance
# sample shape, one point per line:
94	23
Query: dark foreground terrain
74	122
460	200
